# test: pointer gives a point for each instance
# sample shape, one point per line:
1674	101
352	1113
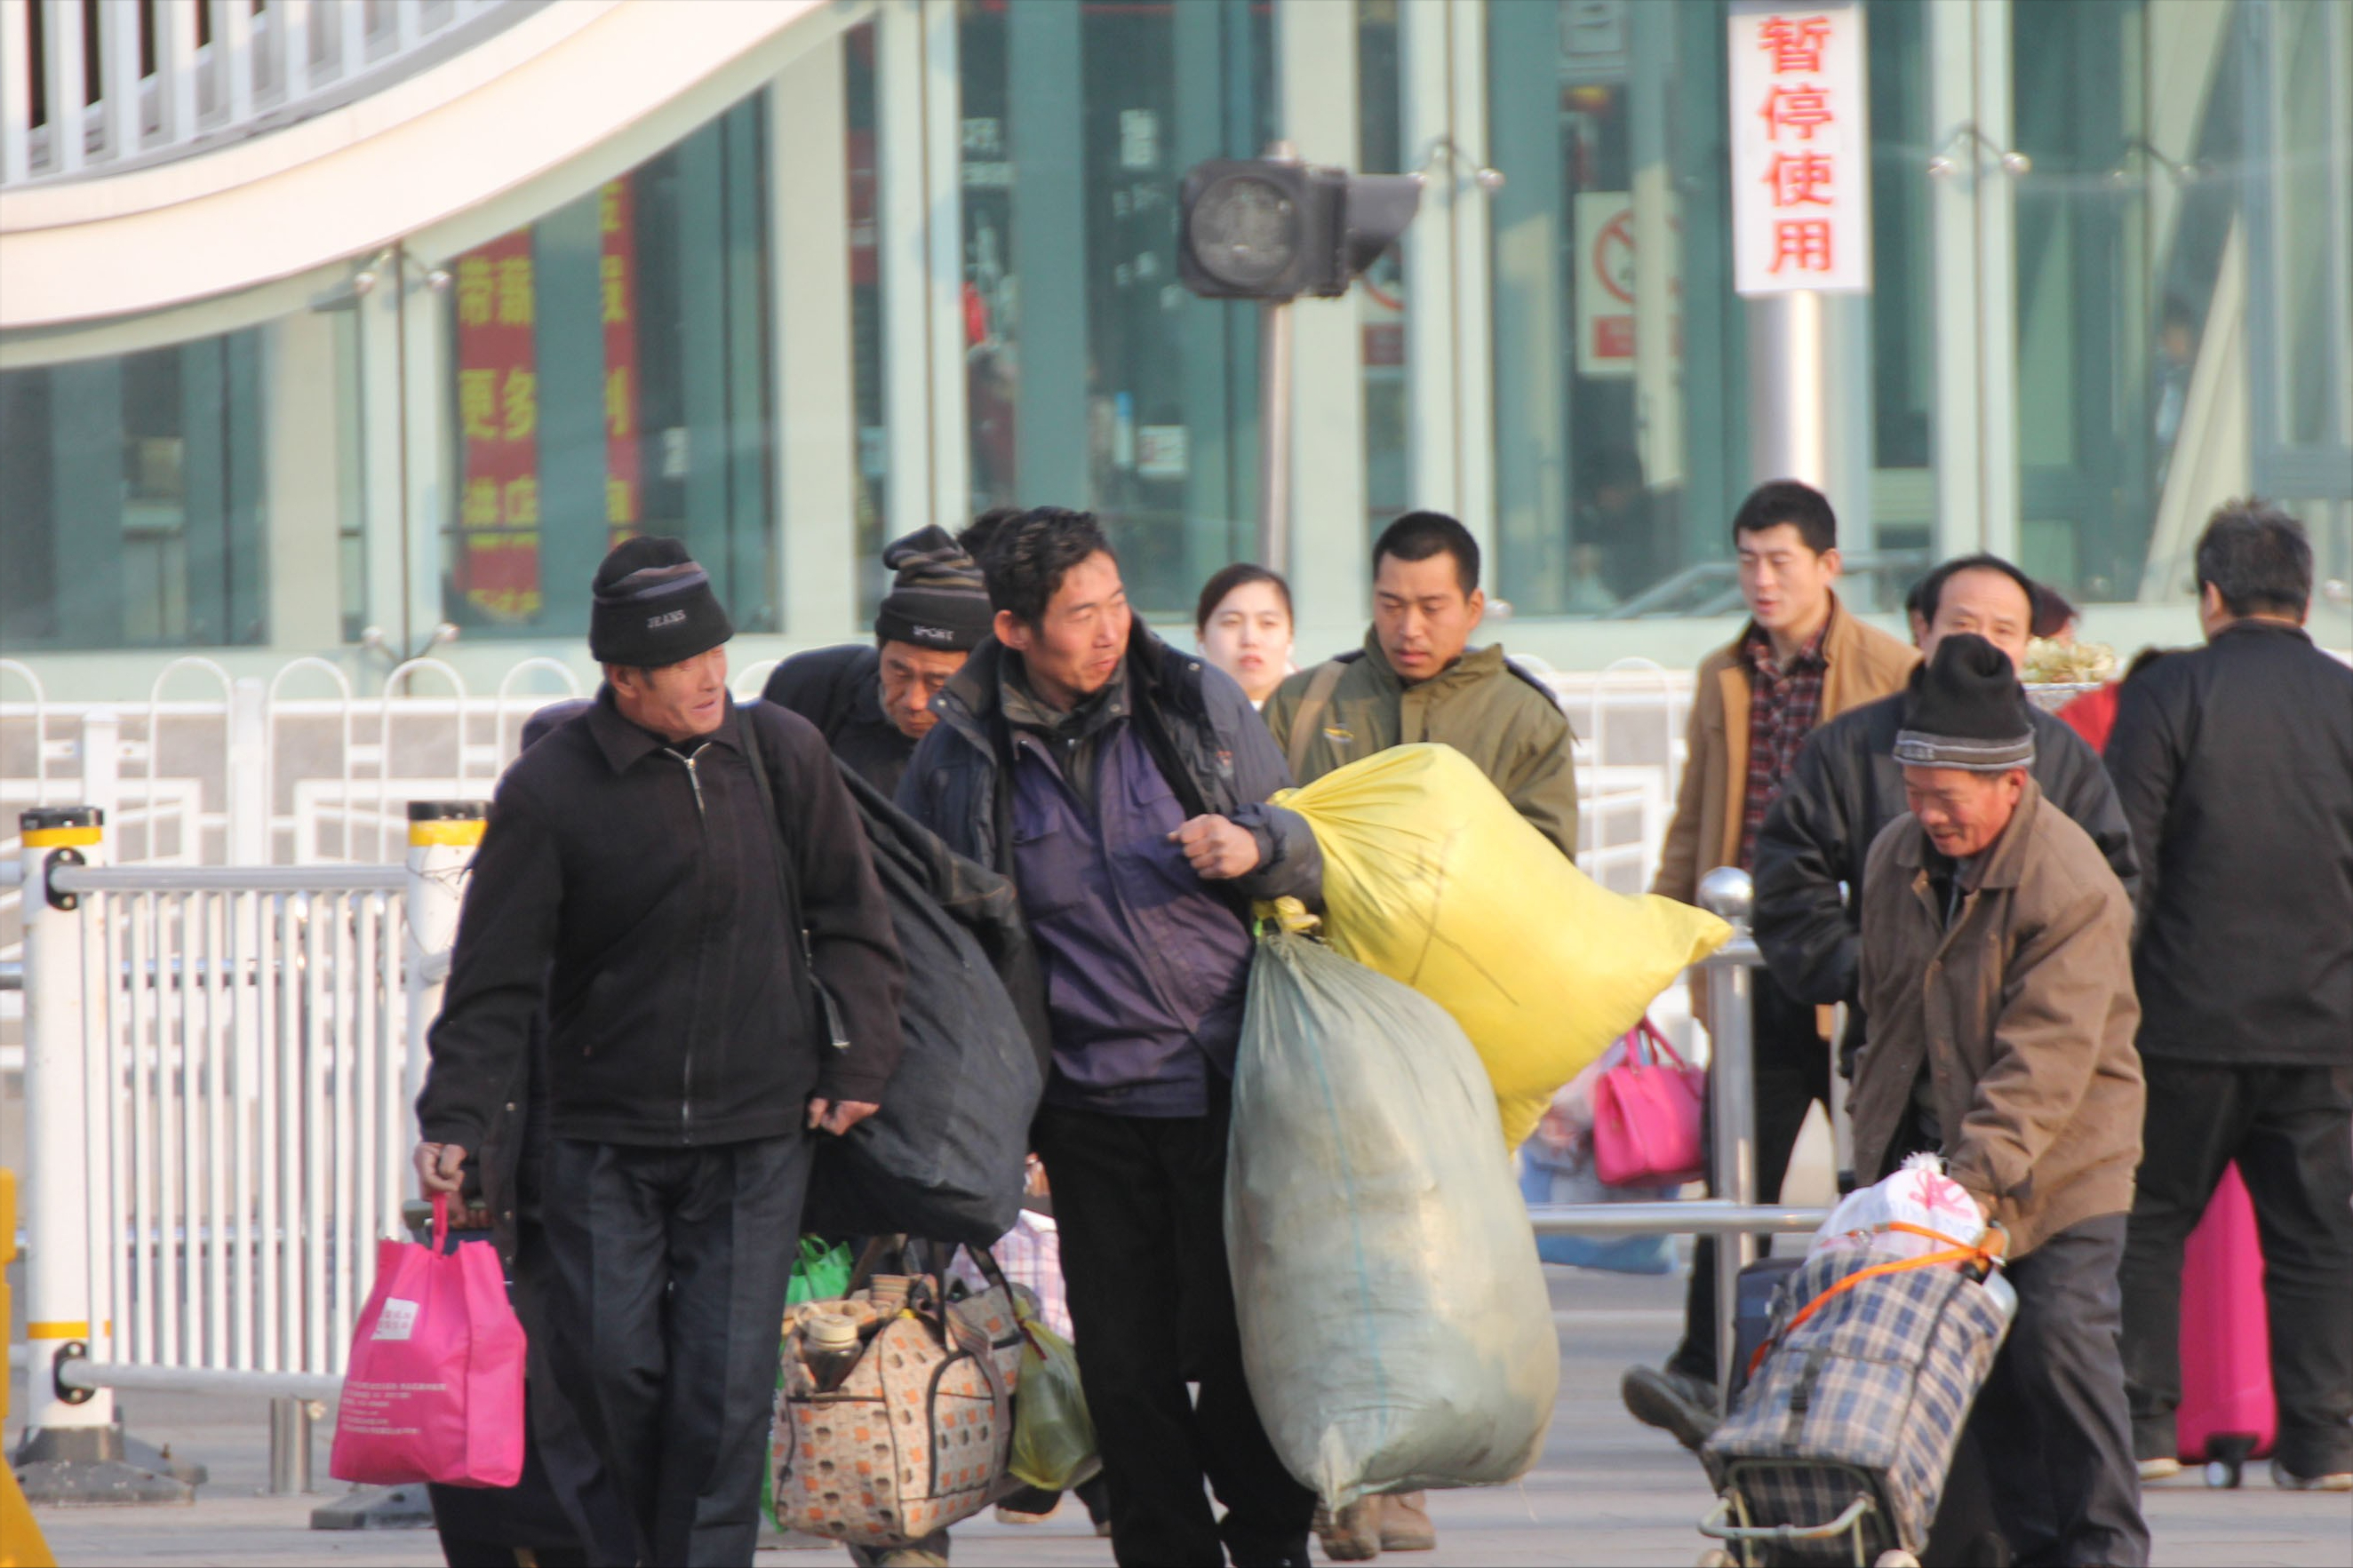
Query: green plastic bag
820	1274
1053	1436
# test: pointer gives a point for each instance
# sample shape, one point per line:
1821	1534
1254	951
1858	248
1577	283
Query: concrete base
376	1507
97	1467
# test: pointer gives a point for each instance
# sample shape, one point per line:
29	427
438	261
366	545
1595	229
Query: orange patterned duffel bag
894	1412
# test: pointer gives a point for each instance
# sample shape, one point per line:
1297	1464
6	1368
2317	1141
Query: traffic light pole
1274	437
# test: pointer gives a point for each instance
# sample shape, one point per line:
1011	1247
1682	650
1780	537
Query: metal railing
1734	1216
89	89
219	1067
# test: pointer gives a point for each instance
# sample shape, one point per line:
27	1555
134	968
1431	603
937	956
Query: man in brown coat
1997	975
1802	660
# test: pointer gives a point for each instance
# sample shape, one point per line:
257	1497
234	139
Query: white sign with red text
1801	148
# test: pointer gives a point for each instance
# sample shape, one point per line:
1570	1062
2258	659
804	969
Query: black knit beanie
653	607
937	599
1966	711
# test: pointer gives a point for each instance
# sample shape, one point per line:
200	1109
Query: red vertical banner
498	424
617	293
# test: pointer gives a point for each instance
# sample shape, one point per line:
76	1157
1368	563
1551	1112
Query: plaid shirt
1784	705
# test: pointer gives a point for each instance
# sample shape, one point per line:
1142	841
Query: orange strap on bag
1985	1253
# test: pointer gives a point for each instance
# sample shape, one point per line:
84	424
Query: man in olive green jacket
1418	679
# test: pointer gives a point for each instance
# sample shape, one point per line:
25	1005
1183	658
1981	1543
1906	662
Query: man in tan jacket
1802	660
1997	975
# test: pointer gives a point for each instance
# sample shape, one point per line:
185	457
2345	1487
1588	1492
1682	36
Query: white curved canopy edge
515	108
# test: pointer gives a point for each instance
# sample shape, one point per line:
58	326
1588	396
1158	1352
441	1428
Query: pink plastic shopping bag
434	1390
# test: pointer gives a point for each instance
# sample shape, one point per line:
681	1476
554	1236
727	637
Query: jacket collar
1474	665
626	744
2256	626
972	700
2002	865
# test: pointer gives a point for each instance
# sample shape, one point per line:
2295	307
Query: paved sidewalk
1606	1492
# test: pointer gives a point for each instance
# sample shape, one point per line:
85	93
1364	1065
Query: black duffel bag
945	1158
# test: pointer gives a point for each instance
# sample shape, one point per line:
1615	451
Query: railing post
290	1447
101	765
442	835
247	784
1727	893
73	1449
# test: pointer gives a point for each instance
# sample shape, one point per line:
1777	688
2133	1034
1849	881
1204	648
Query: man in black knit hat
1997	976
872	704
672	878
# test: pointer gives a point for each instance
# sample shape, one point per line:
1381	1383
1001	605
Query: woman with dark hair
1243	623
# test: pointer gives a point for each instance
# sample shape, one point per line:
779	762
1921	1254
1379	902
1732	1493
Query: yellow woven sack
1430	878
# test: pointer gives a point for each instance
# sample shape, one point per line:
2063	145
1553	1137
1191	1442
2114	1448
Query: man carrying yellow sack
1416	679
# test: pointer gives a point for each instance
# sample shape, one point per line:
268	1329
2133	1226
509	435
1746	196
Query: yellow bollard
21	1544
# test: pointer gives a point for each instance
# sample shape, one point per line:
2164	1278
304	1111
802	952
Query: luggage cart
1865	1526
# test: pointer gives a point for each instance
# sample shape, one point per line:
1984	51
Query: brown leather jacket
2023	1012
1861	663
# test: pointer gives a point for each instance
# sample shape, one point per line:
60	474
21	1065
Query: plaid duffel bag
1862	1389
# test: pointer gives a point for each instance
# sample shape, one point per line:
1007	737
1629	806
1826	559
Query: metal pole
1274	437
290	1447
58	1310
1726	892
1274	418
1789	389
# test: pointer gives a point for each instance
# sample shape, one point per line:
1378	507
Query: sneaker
1404	1524
2163	1469
1016	1516
1675	1401
2289	1481
1354	1534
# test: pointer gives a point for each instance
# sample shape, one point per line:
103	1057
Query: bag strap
748	737
1303	723
1646	1033
1983	1253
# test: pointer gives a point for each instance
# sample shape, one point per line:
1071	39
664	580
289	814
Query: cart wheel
1716	1557
1899	1558
2223	1474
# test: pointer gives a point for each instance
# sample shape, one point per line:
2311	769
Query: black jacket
637	895
1845	786
2235	765
840	690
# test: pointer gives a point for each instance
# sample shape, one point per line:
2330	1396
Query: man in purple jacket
1122	785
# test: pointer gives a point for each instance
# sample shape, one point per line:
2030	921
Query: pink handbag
1646	1115
434	1388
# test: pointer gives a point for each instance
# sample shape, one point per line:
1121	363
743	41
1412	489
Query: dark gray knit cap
938	599
1966	711
654	606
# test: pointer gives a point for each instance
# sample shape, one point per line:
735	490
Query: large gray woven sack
1395	1322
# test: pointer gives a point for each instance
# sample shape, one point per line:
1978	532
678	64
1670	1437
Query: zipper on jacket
702	946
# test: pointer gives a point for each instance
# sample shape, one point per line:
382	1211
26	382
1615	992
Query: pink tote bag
434	1388
1646	1115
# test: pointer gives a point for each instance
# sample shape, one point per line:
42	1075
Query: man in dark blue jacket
1122	785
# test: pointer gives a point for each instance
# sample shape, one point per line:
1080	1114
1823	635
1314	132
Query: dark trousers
2050	1424
2290	1132
1793	1071
667	1275
1141	1204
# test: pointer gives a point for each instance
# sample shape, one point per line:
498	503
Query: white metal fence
87	88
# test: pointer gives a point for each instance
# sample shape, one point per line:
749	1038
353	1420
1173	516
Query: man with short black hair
2235	765
1802	660
873	703
672	878
1418	679
1122	785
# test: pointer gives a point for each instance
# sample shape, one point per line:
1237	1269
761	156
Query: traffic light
1271	228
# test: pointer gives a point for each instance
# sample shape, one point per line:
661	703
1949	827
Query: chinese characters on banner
1801	148
496	567
616	294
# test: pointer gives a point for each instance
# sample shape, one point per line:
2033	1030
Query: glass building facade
930	268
